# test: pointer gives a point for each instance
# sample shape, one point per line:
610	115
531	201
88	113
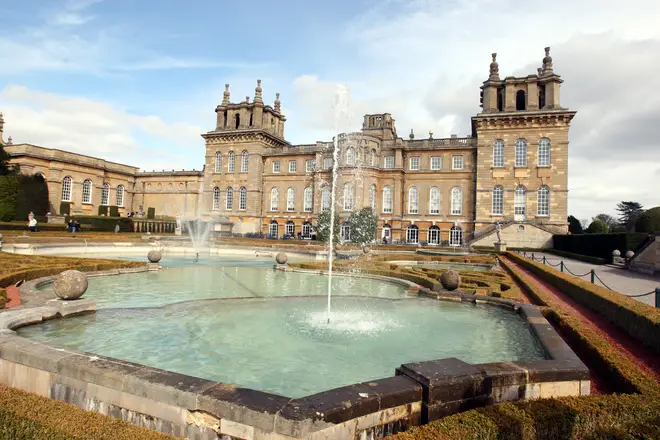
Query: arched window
242	203
519	201
308	199
498	200
387	232
291	199
290	228
348	197
66	189
413	200
244	162
412	234
86	191
372	196
498	153
274	199
218	162
229	198
272	229
544	152
105	194
434	201
434	235
119	197
306	229
543	201
325	199
456	201
345	232
372	158
216	198
350	156
237	121
521	100
387	200
230	162
455	236
521	153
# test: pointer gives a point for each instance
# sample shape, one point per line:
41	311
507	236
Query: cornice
234	136
560	117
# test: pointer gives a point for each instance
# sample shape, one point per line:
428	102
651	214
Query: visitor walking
32	222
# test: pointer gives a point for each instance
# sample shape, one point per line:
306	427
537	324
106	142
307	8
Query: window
372	197
498	153
498	200
413	200
242	202
412	234
230	162
325	199
274	196
218	162
86	192
544	152
327	163
216	198
436	163
290	228
310	165
387	231
414	163
276	166
455	236
543	202
306	229
521	100
456	201
292	166
434	235
519	200
387	200
521	154
434	201
229	198
272	229
345	233
348	197
66	189
389	162
119	197
105	194
244	162
291	199
372	158
457	162
308	200
350	156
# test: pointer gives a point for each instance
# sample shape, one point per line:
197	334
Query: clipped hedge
3	298
599	245
585	258
65	208
639	320
151	213
102	223
23	225
114	211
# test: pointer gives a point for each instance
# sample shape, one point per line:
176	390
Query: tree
5	168
363	225
649	221
323	227
608	220
597	227
574	225
628	214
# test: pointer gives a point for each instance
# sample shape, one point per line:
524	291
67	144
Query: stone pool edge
197	408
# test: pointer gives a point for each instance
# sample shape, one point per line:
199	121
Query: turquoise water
265	329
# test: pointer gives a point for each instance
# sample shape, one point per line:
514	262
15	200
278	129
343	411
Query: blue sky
136	81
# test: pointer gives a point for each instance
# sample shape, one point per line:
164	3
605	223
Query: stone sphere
154	256
630	254
616	253
366	249
450	280
281	258
70	284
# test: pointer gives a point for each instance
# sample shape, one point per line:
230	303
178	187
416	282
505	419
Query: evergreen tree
574	225
323	227
363	225
5	169
628	214
597	227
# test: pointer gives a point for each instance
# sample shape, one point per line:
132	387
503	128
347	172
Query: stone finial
547	62
247	99
225	95
277	102
430	134
10	141
540	71
411	135
494	68
257	92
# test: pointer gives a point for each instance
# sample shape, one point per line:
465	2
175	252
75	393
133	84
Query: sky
137	81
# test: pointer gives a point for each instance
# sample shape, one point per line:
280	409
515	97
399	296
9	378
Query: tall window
276	166
218	162
389	162
216	198
242	203
272	229
292	166
230	162
350	157
345	232
414	163
348	197
434	201
387	200
544	152
325	199
434	235
120	196
372	158
244	162
498	200
290	228
457	162
66	189
274	196
310	165
105	194
543	202
291	199
412	234
327	163
521	153
86	192
229	198
436	163
455	236
413	200
456	201
308	199
498	153
519	200
306	229
372	197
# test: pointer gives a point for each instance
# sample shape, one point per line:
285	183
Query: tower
522	149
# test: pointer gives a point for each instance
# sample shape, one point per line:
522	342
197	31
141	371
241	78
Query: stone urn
281	258
70	284
629	254
450	280
616	253
154	256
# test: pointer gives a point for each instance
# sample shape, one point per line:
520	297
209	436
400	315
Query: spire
411	135
547	62
277	102
257	93
494	69
225	95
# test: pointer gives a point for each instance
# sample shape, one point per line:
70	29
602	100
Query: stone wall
519	236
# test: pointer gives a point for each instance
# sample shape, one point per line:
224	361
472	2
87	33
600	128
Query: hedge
151	213
102	223
65	208
639	320
8	197
585	258
23	226
114	211
599	245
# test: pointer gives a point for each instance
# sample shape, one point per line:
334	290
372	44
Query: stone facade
512	168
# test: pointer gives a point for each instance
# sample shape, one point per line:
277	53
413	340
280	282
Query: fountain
199	231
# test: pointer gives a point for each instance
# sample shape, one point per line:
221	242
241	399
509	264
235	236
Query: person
117	228
32	223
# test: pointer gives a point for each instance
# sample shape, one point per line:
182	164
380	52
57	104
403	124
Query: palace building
512	170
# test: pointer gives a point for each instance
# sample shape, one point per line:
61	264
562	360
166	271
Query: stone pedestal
177	231
154	266
500	247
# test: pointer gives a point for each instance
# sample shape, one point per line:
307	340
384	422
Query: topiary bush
649	221
104	223
114	211
151	213
103	210
65	208
32	197
8	197
597	227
